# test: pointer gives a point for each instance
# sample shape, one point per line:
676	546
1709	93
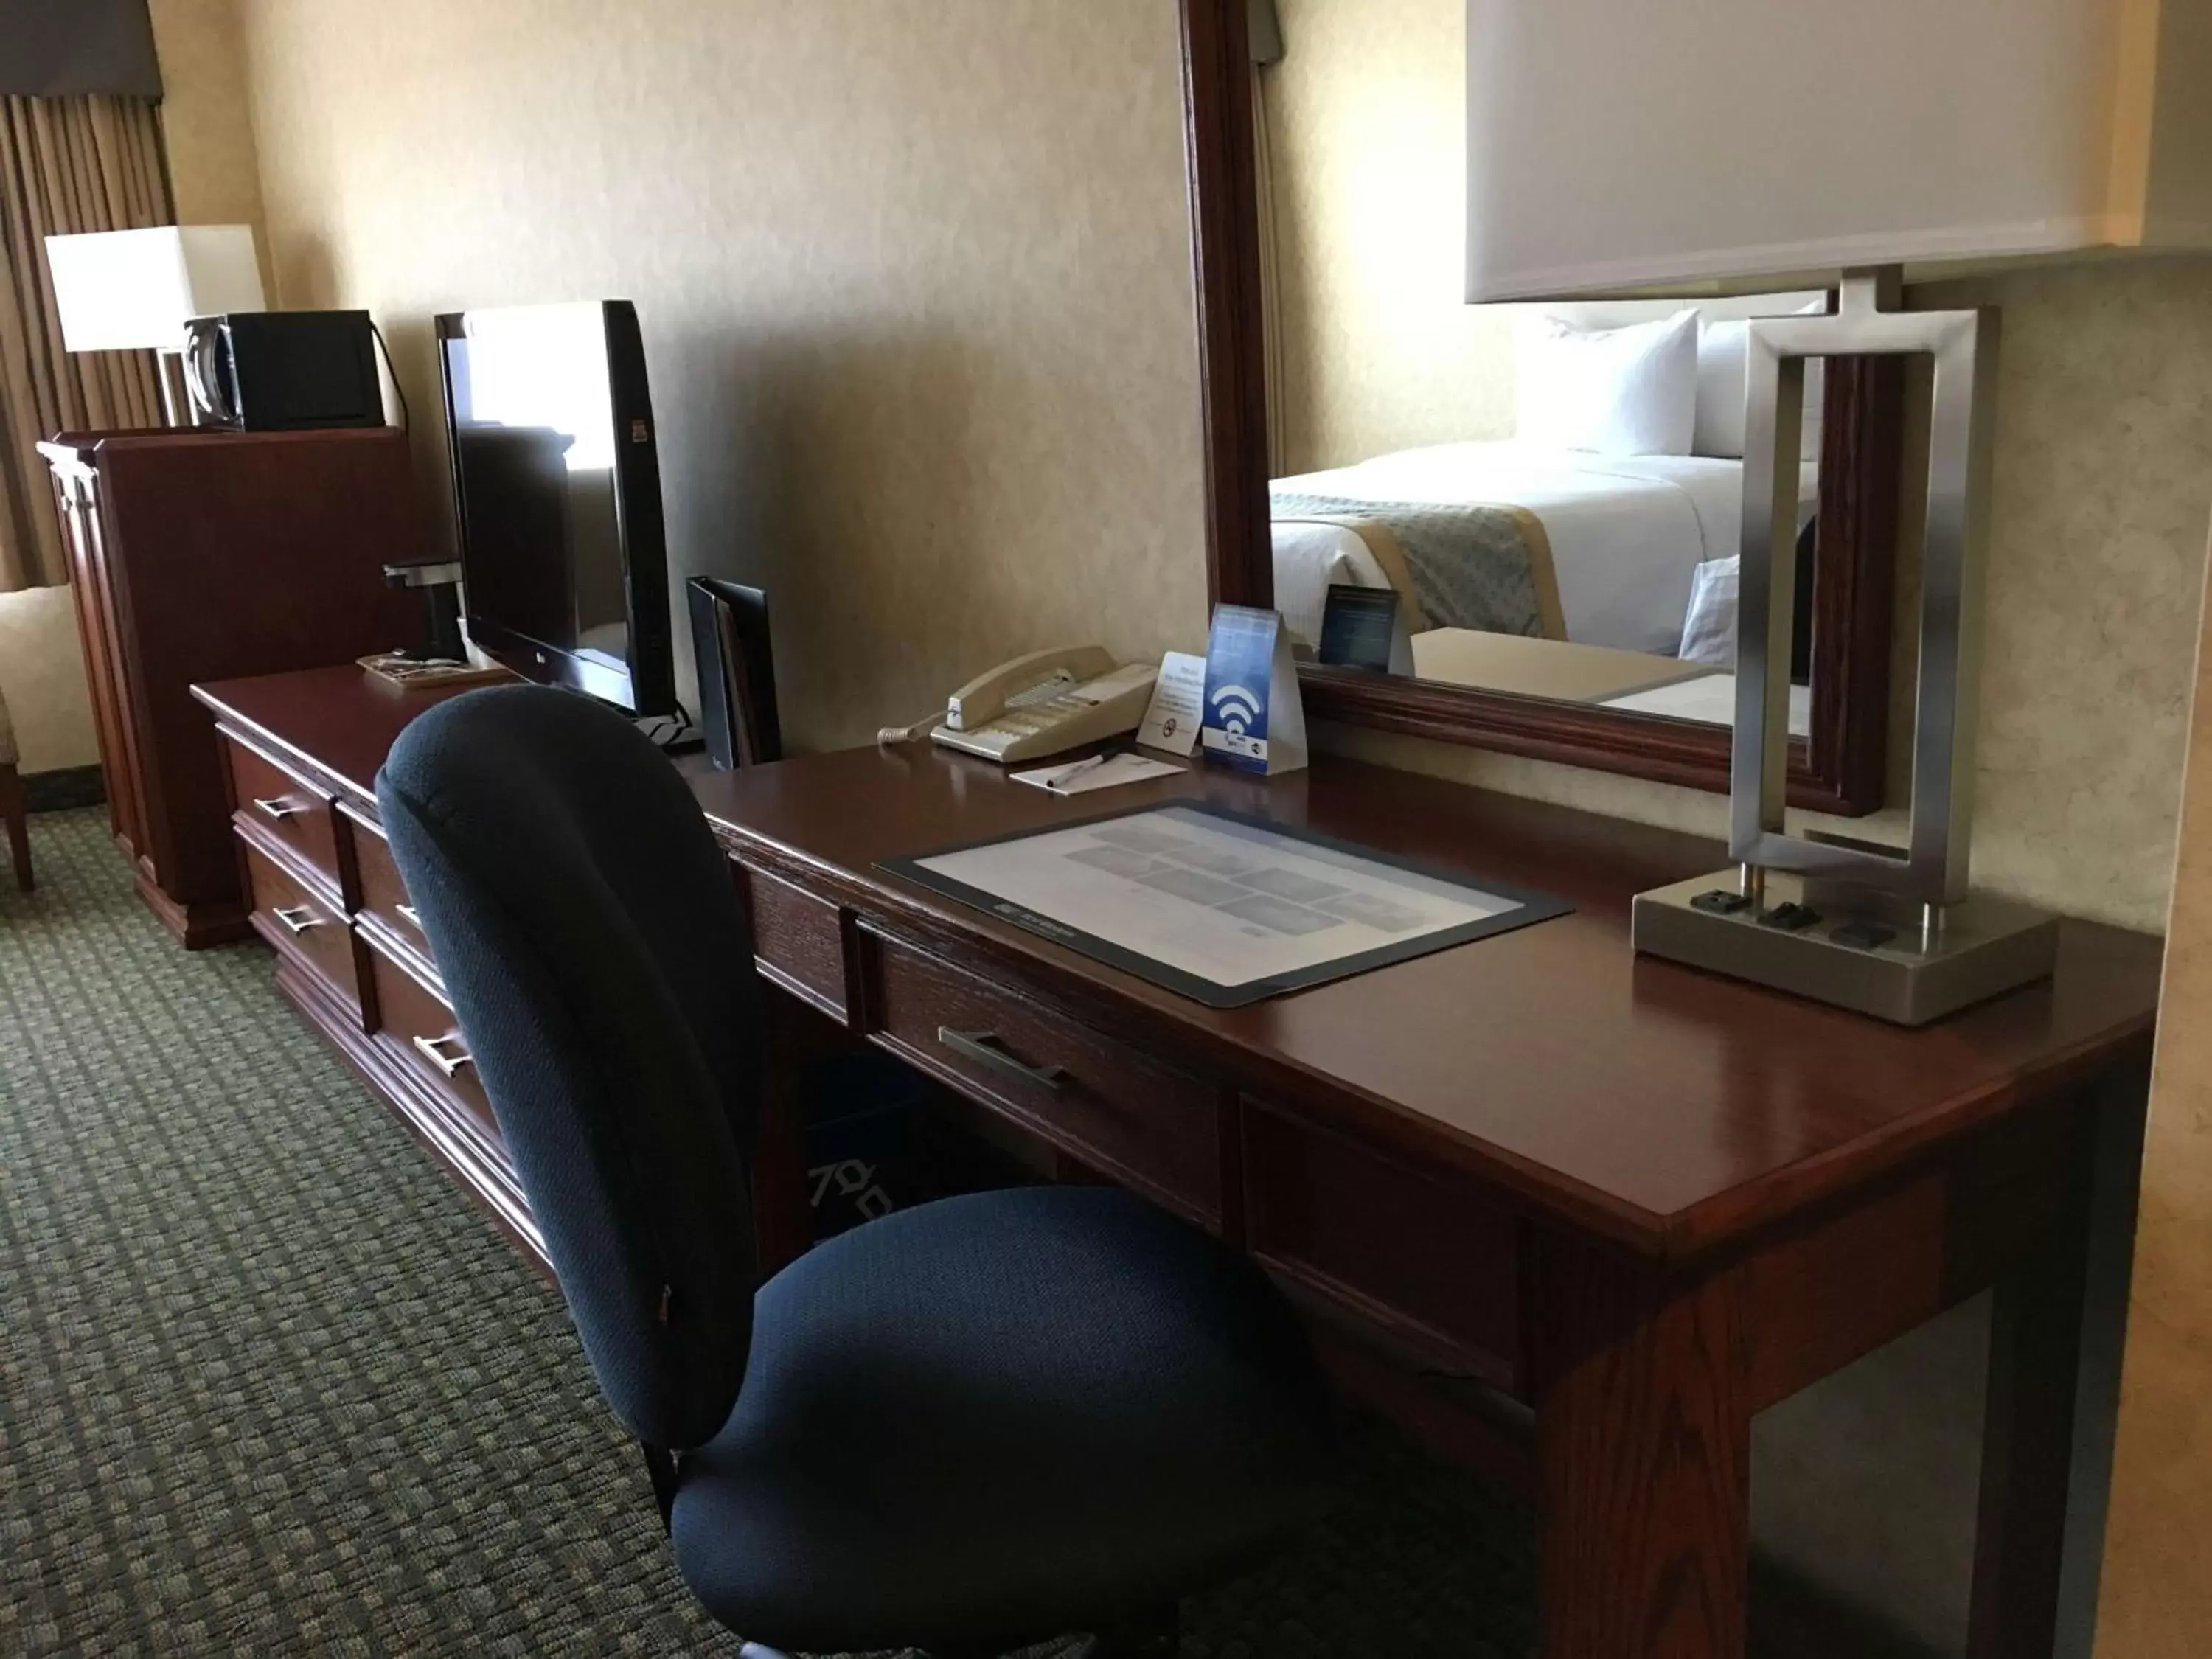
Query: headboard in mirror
1554	494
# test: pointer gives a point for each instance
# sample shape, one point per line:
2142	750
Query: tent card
1254	720
1171	723
1365	627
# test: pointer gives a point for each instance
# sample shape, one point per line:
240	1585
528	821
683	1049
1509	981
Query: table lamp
1843	143
134	290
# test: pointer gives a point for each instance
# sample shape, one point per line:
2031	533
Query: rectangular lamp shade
134	290
1739	142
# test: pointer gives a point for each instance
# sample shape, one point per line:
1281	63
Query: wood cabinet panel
423	1031
382	894
1426	1259
203	555
1112	1107
798	940
288	809
305	925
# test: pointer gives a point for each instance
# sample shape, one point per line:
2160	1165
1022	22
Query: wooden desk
1640	1201
1645	1201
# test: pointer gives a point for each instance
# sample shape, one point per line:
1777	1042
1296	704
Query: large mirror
1515	526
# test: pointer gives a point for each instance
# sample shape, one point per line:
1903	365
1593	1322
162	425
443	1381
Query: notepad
1081	777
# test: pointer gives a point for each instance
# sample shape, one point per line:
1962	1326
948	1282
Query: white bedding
1626	532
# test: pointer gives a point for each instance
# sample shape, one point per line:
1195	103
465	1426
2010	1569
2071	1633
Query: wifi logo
1236	708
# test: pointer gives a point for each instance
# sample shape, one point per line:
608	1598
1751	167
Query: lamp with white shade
1746	144
135	290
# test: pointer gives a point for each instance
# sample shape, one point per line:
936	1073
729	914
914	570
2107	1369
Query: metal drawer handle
279	807
981	1048
434	1050
406	912
296	919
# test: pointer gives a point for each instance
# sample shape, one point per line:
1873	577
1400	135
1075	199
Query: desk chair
967	1427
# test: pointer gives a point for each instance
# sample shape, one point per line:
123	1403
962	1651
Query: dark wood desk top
343	719
1670	1108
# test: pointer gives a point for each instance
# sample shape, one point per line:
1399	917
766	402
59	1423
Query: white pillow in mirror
1709	629
1616	391
1723	351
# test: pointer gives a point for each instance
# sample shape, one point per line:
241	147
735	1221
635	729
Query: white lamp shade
1615	147
134	290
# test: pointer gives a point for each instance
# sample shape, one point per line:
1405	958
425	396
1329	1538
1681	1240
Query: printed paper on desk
1178	705
1254	720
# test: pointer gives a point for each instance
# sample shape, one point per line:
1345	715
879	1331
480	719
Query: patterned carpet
268	1385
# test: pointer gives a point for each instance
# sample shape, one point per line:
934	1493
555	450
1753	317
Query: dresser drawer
1116	1110
1422	1257
288	809
383	894
304	926
415	1021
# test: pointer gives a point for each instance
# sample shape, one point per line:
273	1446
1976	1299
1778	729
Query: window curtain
66	165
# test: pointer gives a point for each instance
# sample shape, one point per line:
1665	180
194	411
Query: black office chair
980	1423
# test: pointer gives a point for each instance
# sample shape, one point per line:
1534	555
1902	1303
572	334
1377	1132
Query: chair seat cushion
1007	1414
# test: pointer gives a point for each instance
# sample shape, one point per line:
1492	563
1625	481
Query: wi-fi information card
1254	720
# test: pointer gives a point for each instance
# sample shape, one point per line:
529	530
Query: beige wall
2103	483
914	284
2103	491
2157	1600
1367	118
205	119
913	277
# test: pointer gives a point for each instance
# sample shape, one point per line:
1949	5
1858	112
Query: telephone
1047	702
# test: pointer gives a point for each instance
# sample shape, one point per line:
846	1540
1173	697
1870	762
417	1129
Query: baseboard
63	789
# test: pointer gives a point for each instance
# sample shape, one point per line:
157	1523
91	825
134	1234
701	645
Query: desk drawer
799	939
1423	1257
1130	1118
383	894
304	926
416	1021
288	809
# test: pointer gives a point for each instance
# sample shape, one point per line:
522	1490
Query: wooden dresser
299	753
201	556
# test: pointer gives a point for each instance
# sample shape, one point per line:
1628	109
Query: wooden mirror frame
1839	769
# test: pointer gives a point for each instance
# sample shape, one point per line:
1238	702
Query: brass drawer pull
434	1050
406	912
296	919
981	1048
280	807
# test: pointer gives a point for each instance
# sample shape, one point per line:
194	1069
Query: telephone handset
1047	702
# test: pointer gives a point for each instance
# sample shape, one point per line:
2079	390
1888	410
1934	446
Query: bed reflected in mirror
1582	543
1545	500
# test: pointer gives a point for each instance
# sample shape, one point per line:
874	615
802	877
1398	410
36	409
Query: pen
1059	785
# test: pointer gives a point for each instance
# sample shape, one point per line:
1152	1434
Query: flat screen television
556	497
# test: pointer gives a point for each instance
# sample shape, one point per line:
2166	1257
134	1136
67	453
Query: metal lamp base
1853	947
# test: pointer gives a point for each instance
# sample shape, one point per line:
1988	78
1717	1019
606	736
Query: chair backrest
589	936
